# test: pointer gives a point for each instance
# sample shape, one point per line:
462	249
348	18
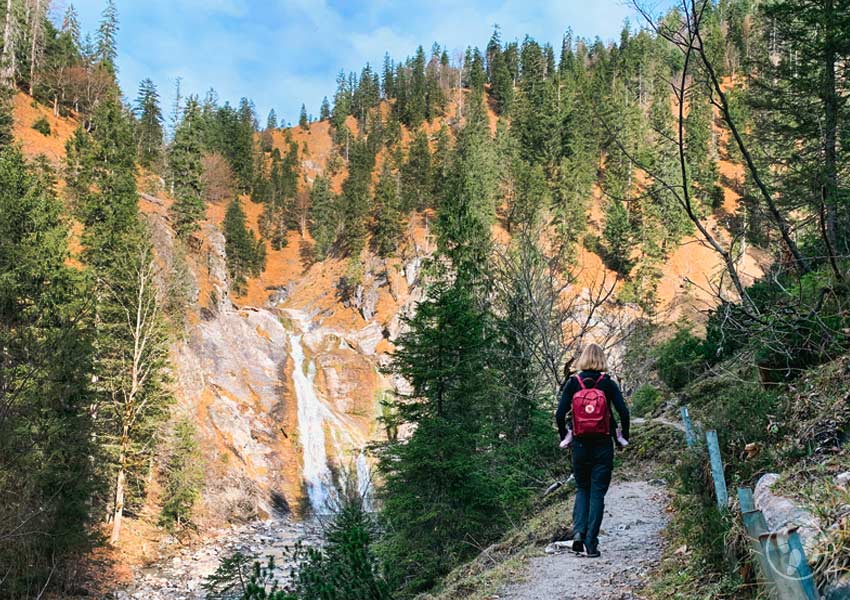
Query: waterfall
311	429
321	427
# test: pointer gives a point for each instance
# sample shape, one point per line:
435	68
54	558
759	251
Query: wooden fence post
717	469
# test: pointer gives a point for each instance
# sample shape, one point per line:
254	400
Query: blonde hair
592	359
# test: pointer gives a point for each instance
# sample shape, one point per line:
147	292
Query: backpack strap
595	383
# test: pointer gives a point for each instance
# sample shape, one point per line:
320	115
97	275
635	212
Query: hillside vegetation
679	196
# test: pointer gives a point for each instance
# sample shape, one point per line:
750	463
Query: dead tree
8	66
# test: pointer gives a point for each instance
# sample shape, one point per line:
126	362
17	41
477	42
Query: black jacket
612	393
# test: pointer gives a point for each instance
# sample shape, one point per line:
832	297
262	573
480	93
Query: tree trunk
7	62
36	26
830	106
120	484
118	512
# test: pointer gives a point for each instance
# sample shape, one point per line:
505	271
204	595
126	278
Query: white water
311	429
318	424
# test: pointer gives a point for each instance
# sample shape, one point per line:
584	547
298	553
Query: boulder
781	512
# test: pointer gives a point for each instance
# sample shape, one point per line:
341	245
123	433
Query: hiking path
630	542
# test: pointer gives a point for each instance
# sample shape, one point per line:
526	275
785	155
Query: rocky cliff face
235	372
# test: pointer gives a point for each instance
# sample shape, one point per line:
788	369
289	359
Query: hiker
588	397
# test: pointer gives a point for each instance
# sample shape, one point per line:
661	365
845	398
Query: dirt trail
630	542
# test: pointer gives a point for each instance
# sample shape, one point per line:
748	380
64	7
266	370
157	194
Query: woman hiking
588	397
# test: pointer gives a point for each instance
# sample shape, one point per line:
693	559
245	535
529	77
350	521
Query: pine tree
242	147
342	101
701	153
6	120
47	444
324	216
246	255
445	357
185	170
440	163
303	122
357	199
474	67
799	98
107	32
131	358
346	566
435	100
617	238
388	78
281	213
467	212
417	99
71	25
271	121
537	115
580	137
149	133
417	176
387	216
101	178
501	81
325	110
182	476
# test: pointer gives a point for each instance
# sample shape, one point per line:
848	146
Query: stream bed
181	575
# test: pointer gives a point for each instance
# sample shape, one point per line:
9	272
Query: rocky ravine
183	574
235	375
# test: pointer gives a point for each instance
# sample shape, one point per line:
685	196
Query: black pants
593	462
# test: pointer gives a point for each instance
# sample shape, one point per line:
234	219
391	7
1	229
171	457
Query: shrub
680	359
217	179
346	566
42	125
645	400
742	414
243	577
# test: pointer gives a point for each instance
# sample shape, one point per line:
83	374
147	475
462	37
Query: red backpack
590	410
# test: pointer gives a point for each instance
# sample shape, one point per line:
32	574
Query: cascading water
318	425
311	428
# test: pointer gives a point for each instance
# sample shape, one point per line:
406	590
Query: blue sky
281	53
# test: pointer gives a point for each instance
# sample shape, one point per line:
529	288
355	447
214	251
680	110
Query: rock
842	479
217	266
176	561
367	339
780	512
411	271
370	303
232	373
280	294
